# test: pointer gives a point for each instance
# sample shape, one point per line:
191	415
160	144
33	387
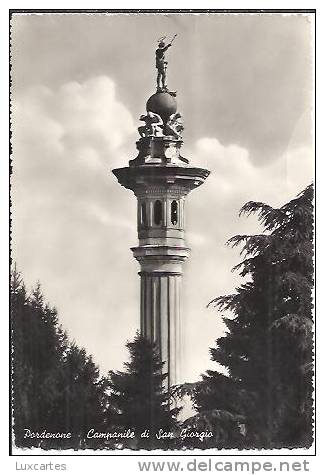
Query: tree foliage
268	347
55	385
138	397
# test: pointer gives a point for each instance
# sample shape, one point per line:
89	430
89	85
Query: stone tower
161	178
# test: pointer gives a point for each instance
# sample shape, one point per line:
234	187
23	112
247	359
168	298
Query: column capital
159	273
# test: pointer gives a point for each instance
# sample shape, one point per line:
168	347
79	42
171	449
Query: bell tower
161	179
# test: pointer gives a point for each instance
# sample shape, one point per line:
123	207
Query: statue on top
161	63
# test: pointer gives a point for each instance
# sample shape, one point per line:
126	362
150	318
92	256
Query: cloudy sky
80	82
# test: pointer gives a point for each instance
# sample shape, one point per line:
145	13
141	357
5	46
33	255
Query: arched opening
143	214
174	212
157	212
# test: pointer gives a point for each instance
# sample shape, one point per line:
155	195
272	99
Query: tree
267	348
138	399
83	399
36	344
55	385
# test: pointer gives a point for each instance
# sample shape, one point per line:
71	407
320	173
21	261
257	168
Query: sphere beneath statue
162	103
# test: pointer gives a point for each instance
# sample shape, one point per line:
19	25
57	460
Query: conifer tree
138	399
21	376
267	349
55	385
36	359
83	397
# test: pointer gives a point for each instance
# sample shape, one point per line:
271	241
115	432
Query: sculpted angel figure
153	125
175	125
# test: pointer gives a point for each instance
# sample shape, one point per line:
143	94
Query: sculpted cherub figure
175	125
153	125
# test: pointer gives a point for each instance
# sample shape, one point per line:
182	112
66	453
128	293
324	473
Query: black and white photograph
162	231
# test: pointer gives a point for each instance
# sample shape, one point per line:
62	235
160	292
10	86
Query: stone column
161	319
159	178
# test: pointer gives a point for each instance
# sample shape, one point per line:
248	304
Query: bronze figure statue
161	64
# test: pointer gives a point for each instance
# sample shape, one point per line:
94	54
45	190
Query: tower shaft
161	318
161	254
161	178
